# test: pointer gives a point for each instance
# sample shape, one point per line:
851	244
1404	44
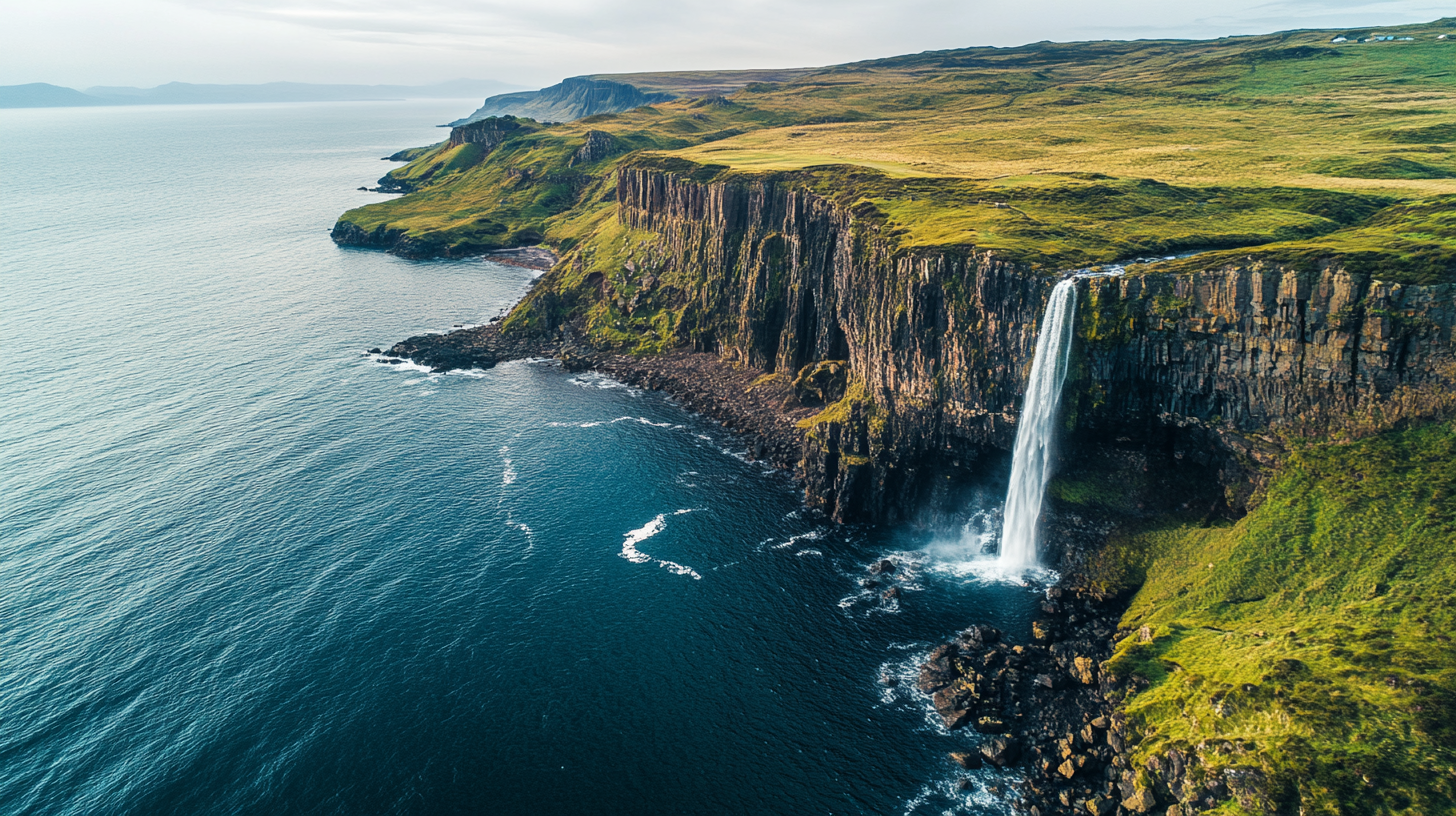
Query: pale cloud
85	42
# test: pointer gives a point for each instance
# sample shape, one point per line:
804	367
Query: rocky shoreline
1045	706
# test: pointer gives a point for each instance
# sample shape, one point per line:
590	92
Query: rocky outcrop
488	133
598	145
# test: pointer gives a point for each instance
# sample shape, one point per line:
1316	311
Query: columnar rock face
940	341
1259	345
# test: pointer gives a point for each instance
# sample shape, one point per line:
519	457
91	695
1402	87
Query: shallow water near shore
247	569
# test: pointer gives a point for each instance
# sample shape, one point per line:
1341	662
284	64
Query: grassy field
1285	145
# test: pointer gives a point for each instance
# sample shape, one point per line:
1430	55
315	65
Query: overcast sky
80	43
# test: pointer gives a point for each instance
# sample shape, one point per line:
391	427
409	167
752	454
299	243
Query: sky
81	43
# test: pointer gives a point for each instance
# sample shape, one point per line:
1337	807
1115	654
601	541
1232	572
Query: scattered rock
885	566
893	593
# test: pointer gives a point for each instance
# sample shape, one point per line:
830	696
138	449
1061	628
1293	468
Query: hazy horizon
87	43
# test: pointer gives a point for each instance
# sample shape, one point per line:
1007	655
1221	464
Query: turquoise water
244	569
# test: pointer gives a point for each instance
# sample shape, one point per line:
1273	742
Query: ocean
247	569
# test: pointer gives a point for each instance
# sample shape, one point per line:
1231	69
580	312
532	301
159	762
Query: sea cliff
775	277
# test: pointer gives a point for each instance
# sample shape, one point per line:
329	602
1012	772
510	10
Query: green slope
1314	636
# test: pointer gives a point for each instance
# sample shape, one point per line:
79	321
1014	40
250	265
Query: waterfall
1031	459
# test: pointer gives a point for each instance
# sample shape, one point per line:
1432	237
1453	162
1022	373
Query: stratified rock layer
779	277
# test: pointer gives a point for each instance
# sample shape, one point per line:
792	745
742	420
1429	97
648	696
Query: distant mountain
583	96
40	95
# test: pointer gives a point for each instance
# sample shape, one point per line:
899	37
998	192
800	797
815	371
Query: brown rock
1101	806
966	759
1085	670
1142	801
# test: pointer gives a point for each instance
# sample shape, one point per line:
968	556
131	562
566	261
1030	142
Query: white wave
406	365
639	535
427	392
680	569
508	476
646	531
593	380
808	552
600	422
812	535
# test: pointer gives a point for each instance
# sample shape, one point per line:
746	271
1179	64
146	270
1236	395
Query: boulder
1101	806
1141	801
1001	751
1084	669
953	713
981	635
935	675
966	759
882	566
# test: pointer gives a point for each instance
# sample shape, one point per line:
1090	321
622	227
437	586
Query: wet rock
374	351
937	672
981	635
1001	751
891	594
966	759
884	567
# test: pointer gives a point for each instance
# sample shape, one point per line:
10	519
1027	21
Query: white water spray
1031	458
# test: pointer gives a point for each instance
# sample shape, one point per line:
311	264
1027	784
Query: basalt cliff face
774	276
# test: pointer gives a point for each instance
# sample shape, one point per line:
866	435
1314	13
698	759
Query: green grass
1277	146
1412	242
1314	634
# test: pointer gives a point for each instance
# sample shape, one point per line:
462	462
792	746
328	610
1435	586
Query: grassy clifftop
1286	145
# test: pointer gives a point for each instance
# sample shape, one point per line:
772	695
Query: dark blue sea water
245	569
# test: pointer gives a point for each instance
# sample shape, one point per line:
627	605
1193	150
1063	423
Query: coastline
1043	706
